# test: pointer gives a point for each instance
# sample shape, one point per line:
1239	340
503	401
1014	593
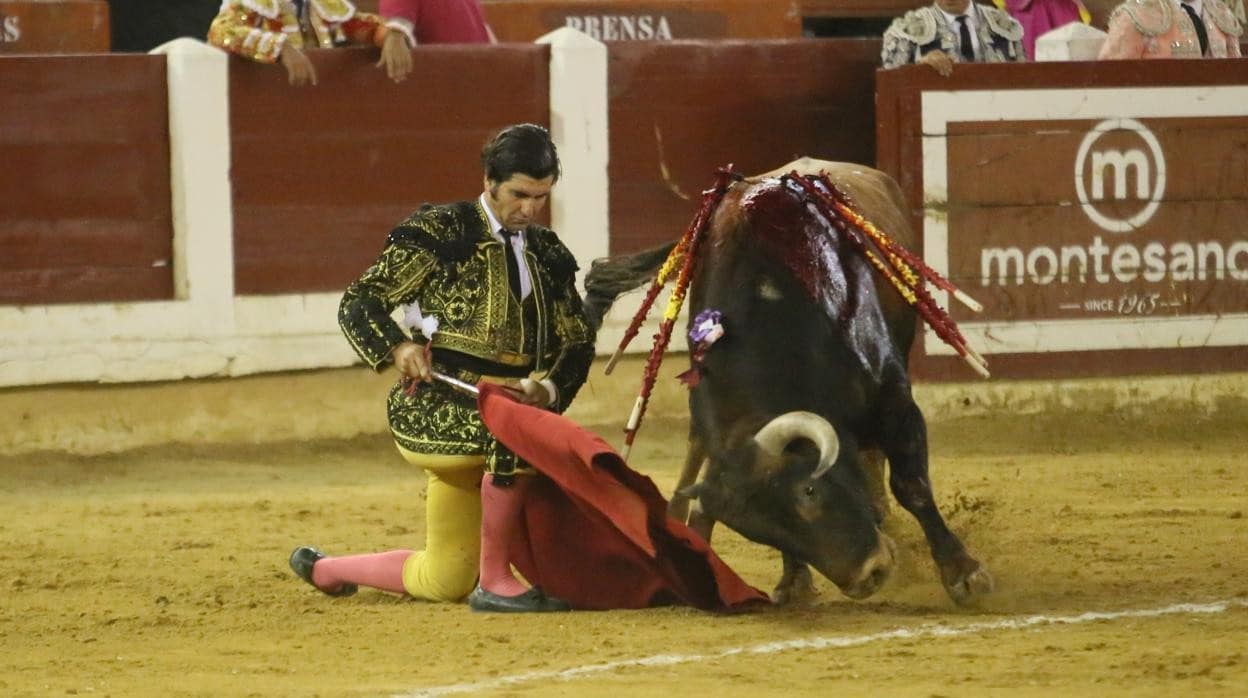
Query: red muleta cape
599	535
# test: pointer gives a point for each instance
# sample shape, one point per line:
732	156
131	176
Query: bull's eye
810	490
768	291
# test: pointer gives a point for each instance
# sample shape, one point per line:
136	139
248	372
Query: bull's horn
779	432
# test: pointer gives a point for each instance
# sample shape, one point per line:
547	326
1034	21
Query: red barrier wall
321	174
84	186
56	26
680	110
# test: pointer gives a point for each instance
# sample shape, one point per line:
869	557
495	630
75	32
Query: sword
469	388
457	383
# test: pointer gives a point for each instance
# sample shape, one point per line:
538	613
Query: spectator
953	31
1217	27
1172	29
442	21
1039	17
271	30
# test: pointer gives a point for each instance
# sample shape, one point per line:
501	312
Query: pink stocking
502	526
378	570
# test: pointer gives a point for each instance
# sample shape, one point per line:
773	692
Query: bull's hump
838	171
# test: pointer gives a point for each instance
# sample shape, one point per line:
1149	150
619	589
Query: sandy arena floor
162	571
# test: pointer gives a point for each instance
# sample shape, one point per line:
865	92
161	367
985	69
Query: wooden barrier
84	142
859	8
1025	181
1096	209
59	26
322	174
678	111
646	20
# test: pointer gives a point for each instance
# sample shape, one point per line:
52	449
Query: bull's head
795	486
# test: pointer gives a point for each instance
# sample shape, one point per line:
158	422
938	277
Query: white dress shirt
517	244
972	23
526	282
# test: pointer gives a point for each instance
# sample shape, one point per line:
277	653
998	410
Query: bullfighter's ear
693	491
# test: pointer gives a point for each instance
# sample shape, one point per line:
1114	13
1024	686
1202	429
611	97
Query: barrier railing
211	229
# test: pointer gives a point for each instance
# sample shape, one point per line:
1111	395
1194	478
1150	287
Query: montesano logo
1092	233
1141	170
1100	219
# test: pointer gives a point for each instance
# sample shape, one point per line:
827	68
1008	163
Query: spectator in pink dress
1041	16
442	21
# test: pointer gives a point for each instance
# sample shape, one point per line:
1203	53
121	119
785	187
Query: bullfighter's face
517	202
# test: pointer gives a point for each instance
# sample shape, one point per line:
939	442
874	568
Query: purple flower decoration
707	328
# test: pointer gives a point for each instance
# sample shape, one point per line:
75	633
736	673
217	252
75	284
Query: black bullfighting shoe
531	601
302	560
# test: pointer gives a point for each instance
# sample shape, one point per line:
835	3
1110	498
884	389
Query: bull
808	391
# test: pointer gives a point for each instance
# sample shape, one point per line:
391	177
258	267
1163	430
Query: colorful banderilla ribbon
683	257
905	271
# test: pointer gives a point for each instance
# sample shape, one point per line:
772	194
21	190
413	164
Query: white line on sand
818	643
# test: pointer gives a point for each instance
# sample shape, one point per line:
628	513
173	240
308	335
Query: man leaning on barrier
269	31
953	31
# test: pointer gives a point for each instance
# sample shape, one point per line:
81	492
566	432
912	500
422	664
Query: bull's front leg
795	584
695	457
904	439
701	522
871	463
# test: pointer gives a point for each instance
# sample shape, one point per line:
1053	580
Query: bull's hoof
970	585
795	587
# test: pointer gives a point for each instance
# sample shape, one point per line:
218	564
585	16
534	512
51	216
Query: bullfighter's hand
298	68
530	392
940	62
396	56
411	360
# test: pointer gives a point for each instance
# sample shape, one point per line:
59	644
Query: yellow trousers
446	570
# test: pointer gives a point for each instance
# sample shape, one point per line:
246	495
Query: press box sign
63	26
637	22
1090	220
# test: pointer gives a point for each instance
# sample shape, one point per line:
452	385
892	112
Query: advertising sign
1090	219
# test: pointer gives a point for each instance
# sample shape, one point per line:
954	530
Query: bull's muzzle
874	572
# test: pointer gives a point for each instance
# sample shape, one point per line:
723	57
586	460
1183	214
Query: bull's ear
693	491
